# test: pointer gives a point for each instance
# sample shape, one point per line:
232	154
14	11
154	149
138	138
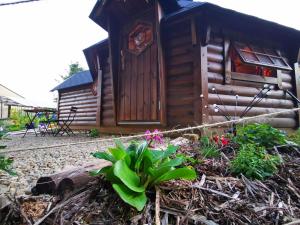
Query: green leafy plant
253	162
208	148
295	137
137	168
187	159
263	135
94	133
6	165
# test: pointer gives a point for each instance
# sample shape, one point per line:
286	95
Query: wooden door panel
138	82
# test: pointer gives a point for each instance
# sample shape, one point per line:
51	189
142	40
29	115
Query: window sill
253	78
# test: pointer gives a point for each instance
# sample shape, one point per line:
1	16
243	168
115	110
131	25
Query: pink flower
148	135
155	136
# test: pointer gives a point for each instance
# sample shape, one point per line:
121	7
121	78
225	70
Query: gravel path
30	165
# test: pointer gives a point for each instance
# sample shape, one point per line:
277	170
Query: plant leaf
181	173
160	155
137	200
103	170
117	153
140	155
104	155
127	176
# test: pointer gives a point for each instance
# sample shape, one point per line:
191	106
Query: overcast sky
39	40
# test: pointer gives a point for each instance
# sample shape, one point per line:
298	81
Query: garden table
33	113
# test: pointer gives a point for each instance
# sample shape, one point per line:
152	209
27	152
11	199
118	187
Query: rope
18	2
180	130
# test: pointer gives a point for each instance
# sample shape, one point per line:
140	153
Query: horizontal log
215	48
244	91
253	78
67	180
108	122
87	93
180	69
75	92
213	57
76	99
87	106
286	86
239	110
79	118
286	77
180	90
179	100
107	106
108	113
180	59
215	67
179	41
65	115
87	112
181	121
217	78
108	97
178	51
275	122
107	82
182	111
90	101
107	90
230	100
184	80
86	122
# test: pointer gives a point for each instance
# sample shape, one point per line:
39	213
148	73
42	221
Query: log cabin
170	63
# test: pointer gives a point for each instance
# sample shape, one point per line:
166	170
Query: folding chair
64	125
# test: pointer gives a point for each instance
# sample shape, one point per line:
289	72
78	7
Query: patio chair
64	124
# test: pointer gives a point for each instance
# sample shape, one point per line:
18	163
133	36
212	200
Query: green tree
73	68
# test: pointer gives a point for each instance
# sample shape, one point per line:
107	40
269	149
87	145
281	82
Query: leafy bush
6	165
208	148
295	137
254	162
262	135
94	133
18	120
137	168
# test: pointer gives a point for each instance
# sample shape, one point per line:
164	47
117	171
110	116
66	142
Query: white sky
39	40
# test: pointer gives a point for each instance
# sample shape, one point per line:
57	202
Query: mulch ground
216	197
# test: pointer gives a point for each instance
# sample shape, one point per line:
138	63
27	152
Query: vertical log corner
297	81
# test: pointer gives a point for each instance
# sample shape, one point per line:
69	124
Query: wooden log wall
179	74
276	100
107	111
82	98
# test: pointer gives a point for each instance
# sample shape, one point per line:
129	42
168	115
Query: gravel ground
30	165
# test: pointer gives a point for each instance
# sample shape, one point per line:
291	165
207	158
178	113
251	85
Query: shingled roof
77	79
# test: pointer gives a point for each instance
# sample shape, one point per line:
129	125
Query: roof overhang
91	52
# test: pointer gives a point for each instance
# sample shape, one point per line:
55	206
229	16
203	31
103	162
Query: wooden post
297	81
161	68
279	79
99	92
196	73
227	61
204	85
9	111
112	69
